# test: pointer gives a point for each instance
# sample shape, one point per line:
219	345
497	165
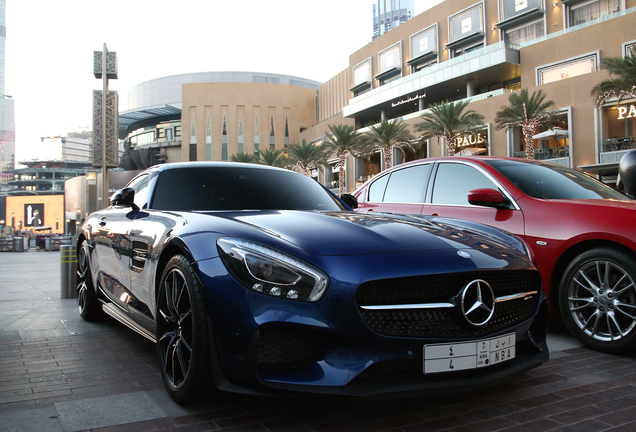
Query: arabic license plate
453	357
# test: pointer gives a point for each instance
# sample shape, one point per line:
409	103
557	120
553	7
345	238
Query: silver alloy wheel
175	328
602	300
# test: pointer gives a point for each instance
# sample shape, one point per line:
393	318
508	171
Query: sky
50	44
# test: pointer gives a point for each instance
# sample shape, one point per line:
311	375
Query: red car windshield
551	181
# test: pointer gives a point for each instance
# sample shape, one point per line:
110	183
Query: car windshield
551	181
232	188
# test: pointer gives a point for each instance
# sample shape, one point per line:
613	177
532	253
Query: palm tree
385	136
305	156
447	120
272	157
244	157
622	81
529	112
342	141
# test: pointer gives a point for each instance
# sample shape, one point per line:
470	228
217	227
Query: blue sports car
257	279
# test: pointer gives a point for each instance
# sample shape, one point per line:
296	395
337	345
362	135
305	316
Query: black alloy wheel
88	306
598	299
182	336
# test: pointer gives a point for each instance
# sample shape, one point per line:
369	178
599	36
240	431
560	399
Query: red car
582	232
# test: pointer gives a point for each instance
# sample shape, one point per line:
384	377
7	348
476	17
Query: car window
232	188
407	185
377	188
551	181
453	181
140	185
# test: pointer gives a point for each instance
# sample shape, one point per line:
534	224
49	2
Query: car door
113	251
447	196
400	191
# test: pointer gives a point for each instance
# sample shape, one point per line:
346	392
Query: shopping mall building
458	50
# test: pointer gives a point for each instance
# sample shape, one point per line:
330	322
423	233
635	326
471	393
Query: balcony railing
618	144
546	153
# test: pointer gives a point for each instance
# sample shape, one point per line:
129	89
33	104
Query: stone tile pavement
61	374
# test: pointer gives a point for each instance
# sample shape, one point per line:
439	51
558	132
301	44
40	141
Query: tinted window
453	181
407	185
551	181
231	188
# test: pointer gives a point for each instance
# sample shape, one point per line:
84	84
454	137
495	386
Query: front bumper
265	344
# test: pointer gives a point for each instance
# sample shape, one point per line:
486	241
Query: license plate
453	357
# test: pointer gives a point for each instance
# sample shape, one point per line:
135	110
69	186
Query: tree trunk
386	153
528	132
342	159
451	146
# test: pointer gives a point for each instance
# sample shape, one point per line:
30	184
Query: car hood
346	233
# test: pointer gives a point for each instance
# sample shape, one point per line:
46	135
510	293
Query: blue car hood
352	233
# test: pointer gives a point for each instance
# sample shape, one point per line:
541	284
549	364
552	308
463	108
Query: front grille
444	322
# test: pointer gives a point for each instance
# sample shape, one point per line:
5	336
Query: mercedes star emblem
478	302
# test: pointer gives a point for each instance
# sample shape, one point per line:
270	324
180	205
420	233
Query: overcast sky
50	44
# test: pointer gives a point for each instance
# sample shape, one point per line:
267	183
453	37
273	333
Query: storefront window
551	142
621	122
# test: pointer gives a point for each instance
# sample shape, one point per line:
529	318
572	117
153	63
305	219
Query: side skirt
116	313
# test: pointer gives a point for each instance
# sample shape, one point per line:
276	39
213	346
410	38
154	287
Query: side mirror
488	197
350	200
124	197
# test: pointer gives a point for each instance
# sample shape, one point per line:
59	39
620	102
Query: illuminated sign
626	112
471	139
34	215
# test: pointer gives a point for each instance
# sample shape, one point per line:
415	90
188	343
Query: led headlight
271	272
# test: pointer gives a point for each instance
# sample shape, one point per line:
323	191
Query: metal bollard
68	271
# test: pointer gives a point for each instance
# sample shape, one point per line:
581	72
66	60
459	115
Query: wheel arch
566	258
170	250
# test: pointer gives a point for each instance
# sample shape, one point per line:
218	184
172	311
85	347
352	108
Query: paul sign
626	112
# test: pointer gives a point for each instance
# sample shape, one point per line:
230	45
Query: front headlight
271	272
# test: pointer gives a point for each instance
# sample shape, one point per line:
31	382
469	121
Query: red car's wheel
598	300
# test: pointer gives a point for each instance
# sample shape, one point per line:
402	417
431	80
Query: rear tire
597	300
182	332
88	305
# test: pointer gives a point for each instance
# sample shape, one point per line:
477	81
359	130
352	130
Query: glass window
551	181
377	188
407	185
140	185
453	181
593	10
567	69
220	189
526	33
512	8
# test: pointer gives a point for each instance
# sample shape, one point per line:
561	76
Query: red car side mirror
488	198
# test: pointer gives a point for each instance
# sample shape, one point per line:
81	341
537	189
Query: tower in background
7	109
388	14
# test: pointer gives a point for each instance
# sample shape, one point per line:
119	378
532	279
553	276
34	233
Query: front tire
88	305
182	335
597	300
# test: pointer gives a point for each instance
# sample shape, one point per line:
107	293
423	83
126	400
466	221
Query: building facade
479	51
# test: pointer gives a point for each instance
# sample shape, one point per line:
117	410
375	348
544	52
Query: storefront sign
468	140
626	112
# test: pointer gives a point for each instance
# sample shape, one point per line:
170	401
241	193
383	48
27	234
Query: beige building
458	50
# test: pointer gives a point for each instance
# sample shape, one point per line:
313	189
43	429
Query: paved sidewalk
61	374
